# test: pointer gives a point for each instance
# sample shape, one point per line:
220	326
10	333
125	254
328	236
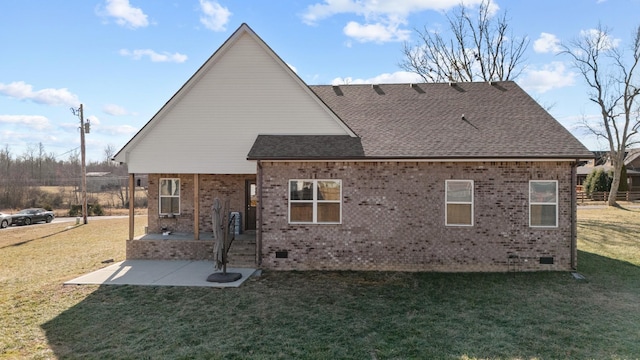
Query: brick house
601	161
410	177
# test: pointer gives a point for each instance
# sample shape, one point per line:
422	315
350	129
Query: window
543	203
459	202
315	201
169	196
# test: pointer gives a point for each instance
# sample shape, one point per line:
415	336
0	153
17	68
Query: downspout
574	217
259	215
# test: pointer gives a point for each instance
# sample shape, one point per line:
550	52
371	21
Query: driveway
66	220
89	218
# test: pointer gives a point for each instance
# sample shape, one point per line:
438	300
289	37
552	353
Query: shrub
600	181
97	209
94	209
75	210
597	181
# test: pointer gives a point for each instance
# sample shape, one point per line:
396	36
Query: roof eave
422	158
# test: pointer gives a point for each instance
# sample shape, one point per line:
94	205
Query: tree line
22	175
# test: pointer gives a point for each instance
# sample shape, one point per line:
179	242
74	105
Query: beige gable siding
211	124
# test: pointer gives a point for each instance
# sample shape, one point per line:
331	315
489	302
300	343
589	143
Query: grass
321	315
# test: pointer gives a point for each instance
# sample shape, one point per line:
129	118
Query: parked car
5	220
30	216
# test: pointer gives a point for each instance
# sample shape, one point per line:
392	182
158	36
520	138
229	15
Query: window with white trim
543	203
169	196
459	202
315	201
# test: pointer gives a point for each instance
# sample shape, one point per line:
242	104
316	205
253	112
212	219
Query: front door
251	201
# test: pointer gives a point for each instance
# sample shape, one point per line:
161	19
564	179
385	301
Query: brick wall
393	218
231	187
169	249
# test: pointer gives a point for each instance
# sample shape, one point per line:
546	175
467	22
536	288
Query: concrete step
243	251
241	245
242	261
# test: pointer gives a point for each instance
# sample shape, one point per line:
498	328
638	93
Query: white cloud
376	8
23	91
94	120
70	127
118	130
552	76
215	15
125	14
115	110
154	56
547	43
382	19
295	70
36	122
398	77
376	32
606	42
21	140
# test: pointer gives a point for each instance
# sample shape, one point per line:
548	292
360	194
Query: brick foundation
169	250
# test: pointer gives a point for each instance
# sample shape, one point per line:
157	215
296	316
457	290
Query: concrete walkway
159	273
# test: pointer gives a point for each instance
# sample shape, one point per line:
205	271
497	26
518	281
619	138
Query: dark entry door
251	201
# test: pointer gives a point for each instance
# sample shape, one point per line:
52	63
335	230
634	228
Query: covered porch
188	233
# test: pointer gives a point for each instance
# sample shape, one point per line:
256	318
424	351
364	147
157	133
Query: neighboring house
602	162
409	177
632	162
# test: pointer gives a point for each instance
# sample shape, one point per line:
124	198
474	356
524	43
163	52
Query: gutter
574	218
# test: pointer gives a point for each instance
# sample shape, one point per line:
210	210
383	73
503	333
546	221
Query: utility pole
84	127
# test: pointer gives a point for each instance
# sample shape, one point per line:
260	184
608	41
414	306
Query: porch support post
574	217
132	192
259	214
196	206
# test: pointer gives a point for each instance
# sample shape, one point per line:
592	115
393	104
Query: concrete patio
159	273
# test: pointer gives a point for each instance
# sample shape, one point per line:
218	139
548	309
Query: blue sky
123	59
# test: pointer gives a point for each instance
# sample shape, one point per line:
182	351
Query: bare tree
613	84
480	48
109	153
29	159
123	192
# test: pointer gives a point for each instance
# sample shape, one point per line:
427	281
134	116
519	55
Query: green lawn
322	315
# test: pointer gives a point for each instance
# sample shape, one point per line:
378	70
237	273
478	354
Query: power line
64	153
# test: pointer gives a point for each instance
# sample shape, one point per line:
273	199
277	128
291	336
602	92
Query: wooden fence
603	196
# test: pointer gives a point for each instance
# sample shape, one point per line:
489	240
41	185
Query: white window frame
314	201
160	196
531	202
447	202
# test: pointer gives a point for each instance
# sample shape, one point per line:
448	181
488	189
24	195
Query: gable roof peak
238	55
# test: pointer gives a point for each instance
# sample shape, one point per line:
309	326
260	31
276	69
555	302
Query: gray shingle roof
291	147
425	121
